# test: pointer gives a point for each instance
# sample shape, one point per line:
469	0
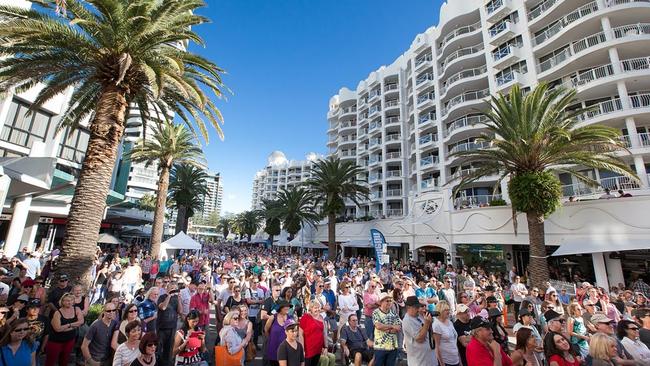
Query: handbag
223	358
251	352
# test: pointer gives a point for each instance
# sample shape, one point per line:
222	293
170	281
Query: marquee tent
177	242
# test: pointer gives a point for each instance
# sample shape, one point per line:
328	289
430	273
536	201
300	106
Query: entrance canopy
105	238
600	244
178	241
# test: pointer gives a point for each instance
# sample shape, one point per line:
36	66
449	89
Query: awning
600	244
105	238
364	244
181	241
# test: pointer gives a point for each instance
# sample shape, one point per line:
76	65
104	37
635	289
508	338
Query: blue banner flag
379	243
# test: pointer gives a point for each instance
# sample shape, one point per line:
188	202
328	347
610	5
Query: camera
433	313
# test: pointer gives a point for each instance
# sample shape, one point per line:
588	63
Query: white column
639	166
17	226
5	181
614	270
600	270
504	189
29	235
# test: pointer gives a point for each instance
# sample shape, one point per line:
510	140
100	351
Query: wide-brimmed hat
600	318
413	301
382	296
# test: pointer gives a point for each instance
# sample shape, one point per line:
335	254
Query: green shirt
384	340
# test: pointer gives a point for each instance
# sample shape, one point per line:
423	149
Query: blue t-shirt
22	357
425	294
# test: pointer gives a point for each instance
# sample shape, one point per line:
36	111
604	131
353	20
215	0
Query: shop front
490	257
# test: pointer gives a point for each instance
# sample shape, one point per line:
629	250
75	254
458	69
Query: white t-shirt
448	338
32	266
518	292
350	301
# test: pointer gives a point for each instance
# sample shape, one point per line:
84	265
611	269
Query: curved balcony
458	33
463	122
392	174
573	51
347	125
469	146
422	61
468	97
614	108
393	138
393	120
475	201
602	108
391	104
564	22
461	76
476	50
349	111
391	88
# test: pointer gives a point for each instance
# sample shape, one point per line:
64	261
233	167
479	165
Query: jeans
166	343
370	327
257	328
313	361
385	358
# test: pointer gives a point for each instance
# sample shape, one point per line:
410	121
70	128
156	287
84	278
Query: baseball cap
63	277
600	318
290	324
23	298
28	283
494	313
461	308
478	322
34	303
552	315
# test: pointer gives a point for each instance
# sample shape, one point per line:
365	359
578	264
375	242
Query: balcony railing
498	28
424	78
461	75
374	109
394	155
374	142
460	53
376	195
634	64
393	192
425	97
504	51
469	146
374	93
640	100
431	116
393	173
587	76
475	201
374	126
644	139
465	97
394	137
611	183
349	110
459	173
605	107
563	22
374	177
390	87
458	32
347	125
428	184
493	5
374	160
426	58
540	9
507	77
428	160
392	103
428	138
466	121
394	212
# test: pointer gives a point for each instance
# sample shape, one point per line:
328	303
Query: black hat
34	303
478	322
551	314
413	301
489	288
524	312
494	313
491	299
283	304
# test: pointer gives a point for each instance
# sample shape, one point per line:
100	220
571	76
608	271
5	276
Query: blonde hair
572	308
65	296
442	305
599	346
315	303
228	318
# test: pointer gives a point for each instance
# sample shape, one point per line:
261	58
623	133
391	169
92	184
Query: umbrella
105	238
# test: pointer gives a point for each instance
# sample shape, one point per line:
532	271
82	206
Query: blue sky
285	59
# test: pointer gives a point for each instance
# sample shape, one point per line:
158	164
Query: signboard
379	243
45	220
5	217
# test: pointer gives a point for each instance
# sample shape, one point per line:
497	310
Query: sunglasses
133	311
63	280
18	330
634	329
111	311
152	345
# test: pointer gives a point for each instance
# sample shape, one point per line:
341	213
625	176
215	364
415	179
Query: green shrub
93	313
498	202
538	192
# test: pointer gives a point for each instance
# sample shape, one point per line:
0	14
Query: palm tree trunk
159	215
89	201
180	219
331	236
538	268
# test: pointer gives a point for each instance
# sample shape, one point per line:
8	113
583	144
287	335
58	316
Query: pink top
368	300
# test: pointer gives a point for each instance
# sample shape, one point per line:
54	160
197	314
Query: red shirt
201	302
562	362
313	333
479	354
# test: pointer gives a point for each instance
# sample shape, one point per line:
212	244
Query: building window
73	145
23	129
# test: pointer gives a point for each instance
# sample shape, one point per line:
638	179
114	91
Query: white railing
394	212
423	78
461	173
347	153
631	30
392	103
475	201
374	142
626	140
499	27
428	184
393	192
587	76
493	5
640	100
460	53
393	173
507	77
428	138
540	9
426	58
465	97
428	96
373	126
349	110
390	87
504	51
394	155
564	21
373	110
427	117
462	75
610	3
428	160
394	137
466	121
634	64
374	93
602	108
458	32
611	183
347	125
644	139
469	146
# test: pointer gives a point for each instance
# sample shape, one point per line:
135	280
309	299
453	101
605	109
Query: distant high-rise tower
212	201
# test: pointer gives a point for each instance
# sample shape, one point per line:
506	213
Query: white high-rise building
212	201
404	120
280	173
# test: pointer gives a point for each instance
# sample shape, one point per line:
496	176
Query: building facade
404	120
212	201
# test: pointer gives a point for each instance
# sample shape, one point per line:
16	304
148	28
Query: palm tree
269	212
533	137
187	188
171	144
147	202
332	182
296	207
224	225
114	54
248	222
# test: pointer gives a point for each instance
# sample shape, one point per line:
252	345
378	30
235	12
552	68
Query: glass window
73	145
24	129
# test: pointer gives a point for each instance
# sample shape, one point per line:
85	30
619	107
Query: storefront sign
45	220
5	217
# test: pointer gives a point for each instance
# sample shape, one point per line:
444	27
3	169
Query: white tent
178	241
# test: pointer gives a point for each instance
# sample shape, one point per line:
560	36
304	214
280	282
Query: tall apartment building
404	120
212	201
280	173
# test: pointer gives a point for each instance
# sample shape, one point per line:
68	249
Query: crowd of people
280	308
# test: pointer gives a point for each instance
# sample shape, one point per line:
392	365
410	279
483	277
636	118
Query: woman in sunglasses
148	346
120	335
16	347
190	342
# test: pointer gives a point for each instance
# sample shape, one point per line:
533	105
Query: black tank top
67	335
